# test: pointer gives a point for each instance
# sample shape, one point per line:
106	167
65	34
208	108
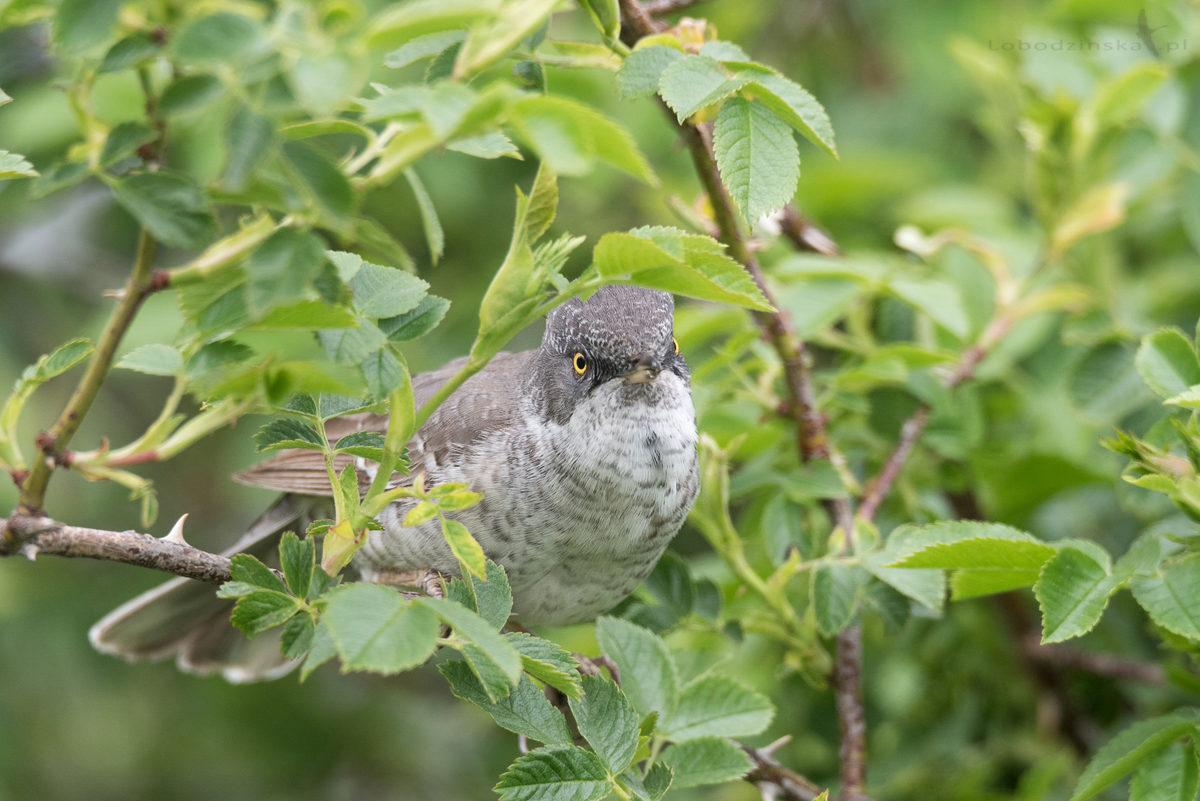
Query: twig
142	282
1109	665
655	8
805	234
774	779
31	536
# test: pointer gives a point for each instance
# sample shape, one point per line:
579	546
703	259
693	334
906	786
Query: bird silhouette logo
1146	33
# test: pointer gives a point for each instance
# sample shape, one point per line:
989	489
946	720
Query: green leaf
723	51
525	710
466	548
282	268
493	597
489	145
124	140
171	207
694	82
82	24
153	360
658	780
375	629
707	760
287	432
352	345
383	372
987	557
835	595
1105	385
307	315
297	636
189	93
386	291
547	662
321	178
406	21
926	587
14	165
1072	591
248	139
569	136
416	322
421	513
648	674
1169	775
555	773
639	74
57	177
221	38
367	444
491	38
1172	598
245	568
1168	362
695	265
429	217
128	52
1119	98
939	300
793	104
757	156
324	82
715	705
607	721
423	47
469	626
298	559
262	609
1129	749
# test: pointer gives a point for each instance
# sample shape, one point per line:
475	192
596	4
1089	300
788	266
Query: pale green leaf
648	674
836	590
375	629
14	165
940	300
469	626
708	760
639	73
386	292
221	38
402	22
757	156
415	322
423	47
1169	775
1167	362
153	360
694	82
1072	591
429	216
1172	598
82	24
1129	749
715	705
490	38
547	662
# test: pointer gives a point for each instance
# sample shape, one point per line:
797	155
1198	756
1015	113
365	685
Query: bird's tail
185	618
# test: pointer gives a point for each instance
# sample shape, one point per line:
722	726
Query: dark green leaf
124	140
429	218
287	432
1072	591
245	568
352	345
128	52
189	93
321	651
83	24
367	444
1169	775
648	674
525	710
322	179
262	609
1172	598
171	207
282	268
1168	362
297	557
555	773
297	636
383	373
221	38
248	139
416	322
607	721
836	589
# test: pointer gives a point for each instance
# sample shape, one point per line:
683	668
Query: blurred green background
952	713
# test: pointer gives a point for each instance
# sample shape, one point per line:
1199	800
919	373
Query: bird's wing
485	402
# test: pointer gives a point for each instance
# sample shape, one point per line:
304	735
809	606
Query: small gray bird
584	450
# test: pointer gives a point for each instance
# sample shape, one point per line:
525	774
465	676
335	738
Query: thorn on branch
176	532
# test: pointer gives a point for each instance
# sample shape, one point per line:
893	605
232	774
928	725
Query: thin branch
142	282
812	440
30	536
1108	665
774	779
656	8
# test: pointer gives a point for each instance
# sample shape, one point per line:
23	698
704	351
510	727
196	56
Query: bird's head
617	345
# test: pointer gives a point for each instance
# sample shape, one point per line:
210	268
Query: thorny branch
811	437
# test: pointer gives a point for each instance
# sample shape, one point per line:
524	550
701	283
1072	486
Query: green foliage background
924	141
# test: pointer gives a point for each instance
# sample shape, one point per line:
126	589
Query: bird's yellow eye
675	342
580	363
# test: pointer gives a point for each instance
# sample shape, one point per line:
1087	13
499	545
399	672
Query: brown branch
1108	665
656	8
805	234
30	536
774	780
142	282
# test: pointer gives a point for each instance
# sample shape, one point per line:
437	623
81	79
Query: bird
584	450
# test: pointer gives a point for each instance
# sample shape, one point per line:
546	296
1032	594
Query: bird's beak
646	370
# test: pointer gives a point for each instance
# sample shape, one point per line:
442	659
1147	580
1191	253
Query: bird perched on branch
584	450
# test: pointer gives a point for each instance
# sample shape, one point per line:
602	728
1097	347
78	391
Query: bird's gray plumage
585	476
